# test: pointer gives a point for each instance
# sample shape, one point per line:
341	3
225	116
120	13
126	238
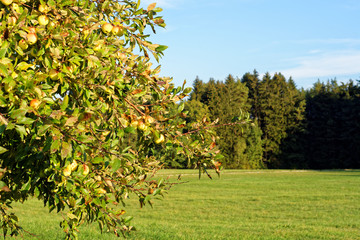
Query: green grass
239	205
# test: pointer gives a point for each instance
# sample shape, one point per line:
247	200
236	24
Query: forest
316	128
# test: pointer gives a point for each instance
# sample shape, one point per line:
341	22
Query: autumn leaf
151	7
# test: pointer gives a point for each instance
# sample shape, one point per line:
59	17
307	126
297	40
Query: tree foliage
80	112
332	134
316	128
279	109
225	101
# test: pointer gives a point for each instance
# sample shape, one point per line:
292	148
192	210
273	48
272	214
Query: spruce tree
252	83
281	110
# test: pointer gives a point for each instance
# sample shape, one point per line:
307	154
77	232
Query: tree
292	148
232	102
224	101
73	94
280	110
332	136
252	82
254	150
199	88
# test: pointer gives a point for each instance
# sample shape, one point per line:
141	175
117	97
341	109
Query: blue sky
305	39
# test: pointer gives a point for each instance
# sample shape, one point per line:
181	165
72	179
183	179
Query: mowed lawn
267	204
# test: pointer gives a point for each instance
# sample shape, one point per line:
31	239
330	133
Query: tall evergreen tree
292	148
199	87
232	102
252	82
279	108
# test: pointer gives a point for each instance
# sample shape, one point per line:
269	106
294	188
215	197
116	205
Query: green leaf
71	216
116	164
219	156
161	48
21	130
36	192
156	192
128	219
66	149
128	156
23	66
158	9
3	150
179	150
181	107
2	184
18	113
26	186
52	3
194	143
40	52
3	52
65	103
25	120
23	15
2	128
86	138
3	69
3	102
187	90
97	160
42	129
161	181
130	130
55	146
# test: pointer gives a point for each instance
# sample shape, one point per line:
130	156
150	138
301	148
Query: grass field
239	205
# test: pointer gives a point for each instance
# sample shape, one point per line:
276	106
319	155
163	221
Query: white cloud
325	65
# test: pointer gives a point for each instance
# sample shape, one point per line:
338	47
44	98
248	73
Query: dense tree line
241	145
332	136
316	128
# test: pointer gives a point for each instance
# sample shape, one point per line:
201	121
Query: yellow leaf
71	121
151	7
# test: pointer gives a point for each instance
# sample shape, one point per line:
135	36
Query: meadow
267	204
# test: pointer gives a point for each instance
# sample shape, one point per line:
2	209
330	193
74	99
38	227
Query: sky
308	40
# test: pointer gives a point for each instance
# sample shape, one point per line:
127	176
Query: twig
131	104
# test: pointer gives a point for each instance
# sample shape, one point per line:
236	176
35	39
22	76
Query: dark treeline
317	128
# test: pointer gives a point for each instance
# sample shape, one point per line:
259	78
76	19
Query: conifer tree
252	83
281	109
332	113
199	87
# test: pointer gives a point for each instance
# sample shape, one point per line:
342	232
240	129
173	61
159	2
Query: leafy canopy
82	108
